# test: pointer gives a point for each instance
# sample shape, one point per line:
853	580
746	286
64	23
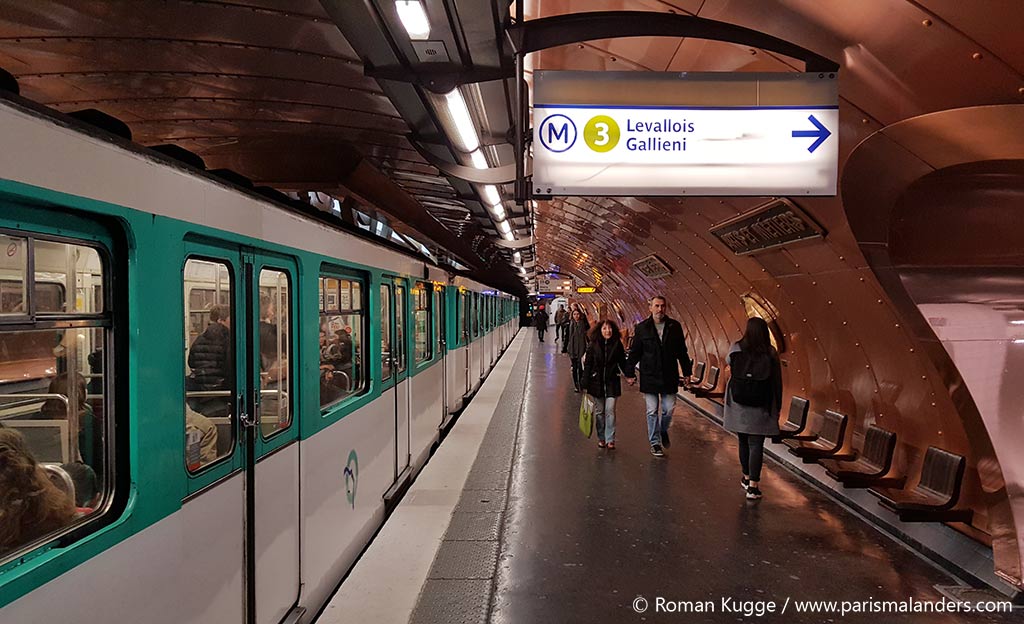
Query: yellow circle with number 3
601	133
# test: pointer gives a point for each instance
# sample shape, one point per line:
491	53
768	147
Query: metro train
225	393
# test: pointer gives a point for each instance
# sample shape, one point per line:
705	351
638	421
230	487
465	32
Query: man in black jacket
211	360
660	348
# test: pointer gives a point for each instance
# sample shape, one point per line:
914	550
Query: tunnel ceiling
898	58
269	89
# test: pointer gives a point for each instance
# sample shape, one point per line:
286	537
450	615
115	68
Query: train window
13	270
463	317
342	322
209	362
65	268
422	319
274	349
385	331
54	407
400	328
476	315
441	320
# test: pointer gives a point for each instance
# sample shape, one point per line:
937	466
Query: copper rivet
933	404
911	350
814	283
976	56
927	22
856	344
1020	91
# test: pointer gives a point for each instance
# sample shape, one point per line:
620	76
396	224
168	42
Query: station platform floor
537	524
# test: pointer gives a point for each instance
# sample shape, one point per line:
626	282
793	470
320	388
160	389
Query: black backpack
751	383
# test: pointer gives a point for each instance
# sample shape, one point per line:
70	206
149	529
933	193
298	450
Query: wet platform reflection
589	530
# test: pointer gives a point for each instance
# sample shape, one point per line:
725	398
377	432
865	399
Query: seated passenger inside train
57	409
30	504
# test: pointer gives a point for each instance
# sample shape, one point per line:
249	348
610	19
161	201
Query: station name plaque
702	134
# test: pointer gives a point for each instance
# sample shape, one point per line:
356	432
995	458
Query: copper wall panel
850	343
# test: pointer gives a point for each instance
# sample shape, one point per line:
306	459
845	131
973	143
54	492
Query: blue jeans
667	402
604	416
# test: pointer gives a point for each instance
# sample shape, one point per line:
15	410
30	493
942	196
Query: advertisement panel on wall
654	133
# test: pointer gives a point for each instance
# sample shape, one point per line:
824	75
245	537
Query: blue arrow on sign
822	133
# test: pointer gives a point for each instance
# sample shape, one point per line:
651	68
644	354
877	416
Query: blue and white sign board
645	133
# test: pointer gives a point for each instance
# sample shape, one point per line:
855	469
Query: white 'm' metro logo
557	133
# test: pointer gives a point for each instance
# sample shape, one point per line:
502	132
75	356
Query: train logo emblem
557	133
351	477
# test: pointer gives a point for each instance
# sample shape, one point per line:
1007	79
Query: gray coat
754	420
576	338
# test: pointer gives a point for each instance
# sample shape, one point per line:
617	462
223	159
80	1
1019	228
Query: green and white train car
239	487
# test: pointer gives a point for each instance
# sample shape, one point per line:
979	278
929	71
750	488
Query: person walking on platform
576	343
568	319
604	359
540	321
659	347
753	399
560	318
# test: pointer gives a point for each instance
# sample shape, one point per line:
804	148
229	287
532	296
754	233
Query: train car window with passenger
342	357
274	351
422	302
54	448
210	378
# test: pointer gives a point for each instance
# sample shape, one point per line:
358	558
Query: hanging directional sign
649	133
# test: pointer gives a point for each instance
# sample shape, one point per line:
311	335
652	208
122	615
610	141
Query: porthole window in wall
342	353
55	452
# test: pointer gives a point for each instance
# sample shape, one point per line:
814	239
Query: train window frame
227	458
356	281
288	344
103	508
423	292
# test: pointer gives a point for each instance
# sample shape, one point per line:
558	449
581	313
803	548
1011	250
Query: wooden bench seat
831	433
871	465
796	422
937	493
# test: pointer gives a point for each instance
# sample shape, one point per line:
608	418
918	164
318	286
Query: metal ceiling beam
550	32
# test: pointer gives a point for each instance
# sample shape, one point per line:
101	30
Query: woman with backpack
753	399
605	358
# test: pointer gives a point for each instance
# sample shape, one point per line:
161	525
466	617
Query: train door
240	431
394	335
440	304
468	336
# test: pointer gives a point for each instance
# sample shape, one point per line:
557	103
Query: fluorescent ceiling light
518	257
466	138
490	195
511	237
479	160
499	212
1016	322
504	226
414	18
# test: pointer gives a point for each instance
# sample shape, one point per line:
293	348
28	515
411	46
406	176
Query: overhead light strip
414	18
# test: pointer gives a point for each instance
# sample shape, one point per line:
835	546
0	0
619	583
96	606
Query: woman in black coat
604	360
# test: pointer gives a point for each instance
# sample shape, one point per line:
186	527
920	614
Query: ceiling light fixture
414	18
504	226
490	195
499	212
518	257
466	138
509	236
478	159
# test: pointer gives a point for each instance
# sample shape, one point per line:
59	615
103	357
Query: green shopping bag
587	416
